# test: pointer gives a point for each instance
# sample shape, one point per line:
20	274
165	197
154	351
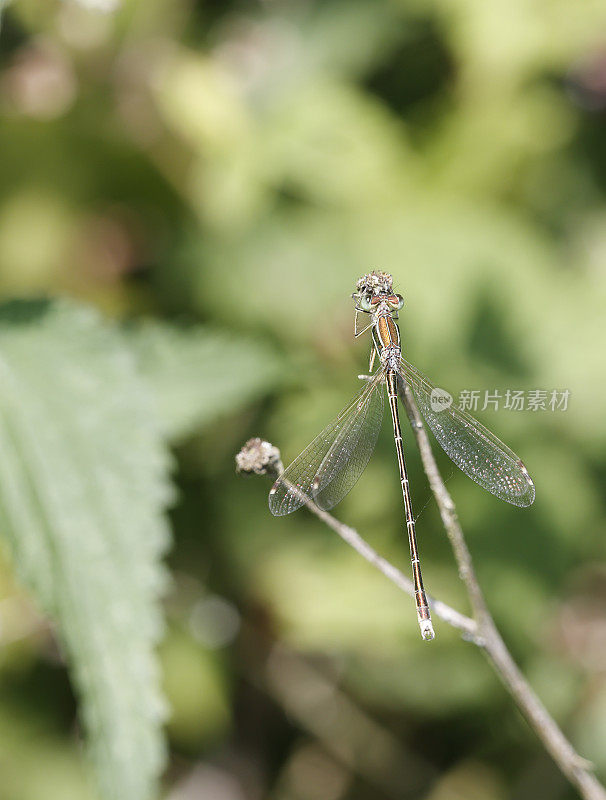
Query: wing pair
330	466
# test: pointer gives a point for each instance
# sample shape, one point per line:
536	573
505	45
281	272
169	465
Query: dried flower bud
260	457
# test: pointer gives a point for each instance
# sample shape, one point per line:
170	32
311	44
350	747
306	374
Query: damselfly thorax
386	339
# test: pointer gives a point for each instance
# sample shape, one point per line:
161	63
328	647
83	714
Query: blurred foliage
214	177
84	484
191	373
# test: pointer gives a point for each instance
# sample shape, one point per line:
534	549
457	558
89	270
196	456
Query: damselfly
330	466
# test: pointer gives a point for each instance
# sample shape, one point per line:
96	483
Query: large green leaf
198	374
83	486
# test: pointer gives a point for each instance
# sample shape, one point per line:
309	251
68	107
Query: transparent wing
330	466
350	452
473	448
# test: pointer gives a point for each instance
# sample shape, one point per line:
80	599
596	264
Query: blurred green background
234	167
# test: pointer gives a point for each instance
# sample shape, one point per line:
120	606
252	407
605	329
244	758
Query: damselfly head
376	282
395	301
374	289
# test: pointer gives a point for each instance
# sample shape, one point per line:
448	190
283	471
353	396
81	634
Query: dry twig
260	457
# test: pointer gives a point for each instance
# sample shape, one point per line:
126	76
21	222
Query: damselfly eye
397	301
365	303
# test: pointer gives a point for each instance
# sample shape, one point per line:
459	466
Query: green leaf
83	487
198	375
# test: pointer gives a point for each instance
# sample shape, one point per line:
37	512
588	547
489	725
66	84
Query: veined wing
330	466
350	452
473	448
